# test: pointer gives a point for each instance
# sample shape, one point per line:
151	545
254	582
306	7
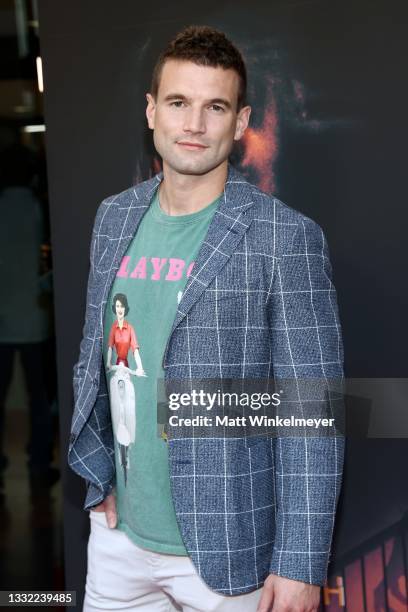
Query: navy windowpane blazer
259	303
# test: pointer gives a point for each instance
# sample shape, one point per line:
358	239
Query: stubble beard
182	165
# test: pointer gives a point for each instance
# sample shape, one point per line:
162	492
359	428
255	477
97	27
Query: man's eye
217	107
176	103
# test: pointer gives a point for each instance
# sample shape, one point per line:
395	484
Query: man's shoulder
266	206
285	221
274	224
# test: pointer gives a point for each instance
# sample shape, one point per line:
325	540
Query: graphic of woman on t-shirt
122	338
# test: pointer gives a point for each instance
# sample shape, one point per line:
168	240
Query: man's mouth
191	145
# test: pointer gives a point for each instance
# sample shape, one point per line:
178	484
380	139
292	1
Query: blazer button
95	382
72	438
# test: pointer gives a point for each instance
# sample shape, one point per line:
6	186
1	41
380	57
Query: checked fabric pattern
260	303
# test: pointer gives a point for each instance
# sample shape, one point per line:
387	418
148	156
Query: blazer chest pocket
238	298
232	307
211	294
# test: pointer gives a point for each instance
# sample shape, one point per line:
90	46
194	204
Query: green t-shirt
137	324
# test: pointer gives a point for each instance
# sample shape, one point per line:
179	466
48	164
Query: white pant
123	576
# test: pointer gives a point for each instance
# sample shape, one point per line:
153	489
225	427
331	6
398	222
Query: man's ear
242	122
150	109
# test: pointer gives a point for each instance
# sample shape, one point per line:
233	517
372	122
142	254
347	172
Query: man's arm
98	424
306	344
91	312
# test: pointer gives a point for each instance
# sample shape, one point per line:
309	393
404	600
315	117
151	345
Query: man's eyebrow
176	96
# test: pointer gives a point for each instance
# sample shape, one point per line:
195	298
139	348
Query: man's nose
194	121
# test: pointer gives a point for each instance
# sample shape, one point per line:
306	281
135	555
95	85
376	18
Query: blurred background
327	136
30	491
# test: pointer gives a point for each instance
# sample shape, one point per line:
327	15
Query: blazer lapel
126	222
229	223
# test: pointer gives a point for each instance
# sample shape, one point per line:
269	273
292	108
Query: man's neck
183	194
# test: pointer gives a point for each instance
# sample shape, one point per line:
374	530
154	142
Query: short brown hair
204	46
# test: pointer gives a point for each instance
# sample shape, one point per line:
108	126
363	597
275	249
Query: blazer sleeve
308	359
98	443
87	345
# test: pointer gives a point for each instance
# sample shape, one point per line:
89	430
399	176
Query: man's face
194	116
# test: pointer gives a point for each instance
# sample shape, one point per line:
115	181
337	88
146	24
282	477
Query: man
222	281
